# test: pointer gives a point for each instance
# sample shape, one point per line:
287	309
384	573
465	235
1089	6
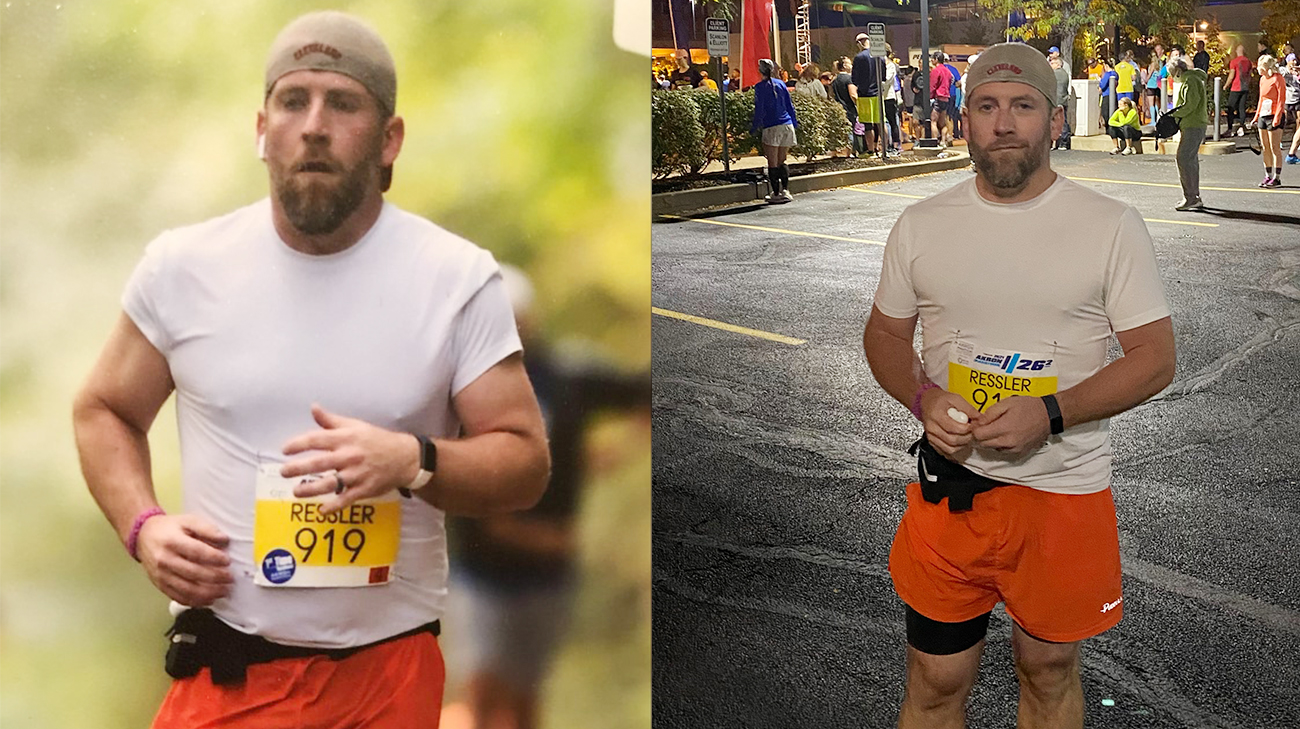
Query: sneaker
1241	131
1127	151
773	198
1291	159
1194	206
1266	182
1115	151
785	196
1272	182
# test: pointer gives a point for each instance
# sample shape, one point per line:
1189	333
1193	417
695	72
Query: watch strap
428	464
1054	418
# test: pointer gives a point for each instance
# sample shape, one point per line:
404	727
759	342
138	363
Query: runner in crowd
774	115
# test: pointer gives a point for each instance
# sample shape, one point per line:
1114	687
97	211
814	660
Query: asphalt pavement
779	467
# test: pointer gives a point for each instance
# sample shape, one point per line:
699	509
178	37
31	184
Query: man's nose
315	126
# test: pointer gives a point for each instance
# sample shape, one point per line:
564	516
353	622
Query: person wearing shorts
941	82
774	115
325	432
1012	503
868	73
1270	119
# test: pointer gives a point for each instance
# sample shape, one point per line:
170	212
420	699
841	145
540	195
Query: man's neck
342	238
1036	185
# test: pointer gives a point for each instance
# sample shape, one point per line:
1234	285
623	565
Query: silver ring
342	486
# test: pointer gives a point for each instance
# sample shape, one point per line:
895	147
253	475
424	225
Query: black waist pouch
198	639
941	478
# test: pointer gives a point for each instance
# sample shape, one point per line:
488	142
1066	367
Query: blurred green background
527	133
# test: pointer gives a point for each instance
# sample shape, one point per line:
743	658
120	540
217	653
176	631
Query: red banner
757	30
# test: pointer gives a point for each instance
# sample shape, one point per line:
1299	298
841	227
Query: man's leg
1051	693
937	687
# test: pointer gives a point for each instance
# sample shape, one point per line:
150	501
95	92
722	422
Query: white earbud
261	146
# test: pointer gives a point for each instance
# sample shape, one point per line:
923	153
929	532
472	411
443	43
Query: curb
665	203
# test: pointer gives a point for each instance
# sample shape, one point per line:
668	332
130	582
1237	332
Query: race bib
985	376
1265	107
294	545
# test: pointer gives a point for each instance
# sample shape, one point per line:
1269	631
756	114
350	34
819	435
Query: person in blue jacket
1109	80
774	114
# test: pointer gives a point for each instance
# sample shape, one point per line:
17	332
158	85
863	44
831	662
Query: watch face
428	455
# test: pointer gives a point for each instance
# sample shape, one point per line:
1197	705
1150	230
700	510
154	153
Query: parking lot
779	466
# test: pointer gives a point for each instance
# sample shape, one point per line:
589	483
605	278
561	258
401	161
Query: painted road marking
774	230
1179	187
728	327
1149	220
1181	222
885	192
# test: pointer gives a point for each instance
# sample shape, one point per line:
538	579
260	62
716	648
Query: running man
1014	393
346	374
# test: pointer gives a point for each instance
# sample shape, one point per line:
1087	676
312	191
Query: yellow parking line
1181	222
774	230
885	192
1203	187
728	327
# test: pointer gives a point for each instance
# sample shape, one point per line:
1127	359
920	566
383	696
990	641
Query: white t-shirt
255	332
1010	296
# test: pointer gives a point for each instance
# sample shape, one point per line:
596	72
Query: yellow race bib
985	376
294	545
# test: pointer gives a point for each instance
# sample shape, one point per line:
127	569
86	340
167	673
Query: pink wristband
136	526
916	401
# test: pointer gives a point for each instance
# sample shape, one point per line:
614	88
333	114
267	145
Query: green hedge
687	132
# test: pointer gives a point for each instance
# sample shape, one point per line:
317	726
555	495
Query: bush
687	129
823	126
740	111
677	141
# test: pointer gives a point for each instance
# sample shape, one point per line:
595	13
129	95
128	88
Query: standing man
1055	52
1129	76
1201	59
1189	110
1238	85
1014	393
346	373
941	82
1063	95
893	95
840	91
867	73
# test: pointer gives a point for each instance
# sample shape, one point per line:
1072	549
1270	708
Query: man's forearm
894	364
115	463
490	473
1117	387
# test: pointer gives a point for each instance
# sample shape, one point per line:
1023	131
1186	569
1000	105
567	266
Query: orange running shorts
1052	558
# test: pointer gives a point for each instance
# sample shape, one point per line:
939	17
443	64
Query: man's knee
1045	668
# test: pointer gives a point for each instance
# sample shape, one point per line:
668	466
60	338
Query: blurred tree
1281	22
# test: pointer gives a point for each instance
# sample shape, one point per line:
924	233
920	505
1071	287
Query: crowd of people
880	96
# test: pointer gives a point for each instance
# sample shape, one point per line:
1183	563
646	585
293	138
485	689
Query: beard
1010	169
318	206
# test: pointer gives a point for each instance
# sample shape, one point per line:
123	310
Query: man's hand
1015	425
370	460
946	435
184	557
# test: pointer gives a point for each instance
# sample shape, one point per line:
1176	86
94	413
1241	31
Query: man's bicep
500	400
131	378
1156	337
880	323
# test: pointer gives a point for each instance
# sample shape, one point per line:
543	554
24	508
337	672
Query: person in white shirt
345	374
1014	392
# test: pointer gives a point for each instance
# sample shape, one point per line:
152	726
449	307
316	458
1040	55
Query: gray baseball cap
332	41
1014	62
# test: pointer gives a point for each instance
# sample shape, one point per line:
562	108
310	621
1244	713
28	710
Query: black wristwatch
1054	414
428	464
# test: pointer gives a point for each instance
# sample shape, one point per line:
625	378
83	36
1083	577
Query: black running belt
941	478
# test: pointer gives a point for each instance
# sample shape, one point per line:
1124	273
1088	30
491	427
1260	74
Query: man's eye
293	102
